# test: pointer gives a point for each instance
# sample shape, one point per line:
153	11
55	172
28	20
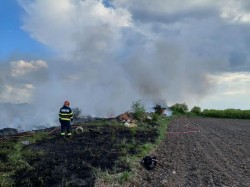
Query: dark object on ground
149	162
8	131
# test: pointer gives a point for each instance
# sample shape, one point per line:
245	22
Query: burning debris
162	110
127	119
159	109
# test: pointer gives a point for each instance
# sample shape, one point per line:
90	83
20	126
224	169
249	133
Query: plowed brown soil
201	152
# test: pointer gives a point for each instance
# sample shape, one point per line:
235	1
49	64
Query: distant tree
196	110
227	113
179	108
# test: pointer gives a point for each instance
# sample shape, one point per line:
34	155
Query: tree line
182	108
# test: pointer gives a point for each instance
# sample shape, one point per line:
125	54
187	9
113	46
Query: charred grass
105	154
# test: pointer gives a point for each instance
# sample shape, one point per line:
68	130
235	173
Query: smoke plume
109	54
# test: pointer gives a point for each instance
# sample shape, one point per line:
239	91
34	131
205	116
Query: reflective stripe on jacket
65	113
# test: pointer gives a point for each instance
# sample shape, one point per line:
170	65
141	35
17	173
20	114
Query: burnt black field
71	161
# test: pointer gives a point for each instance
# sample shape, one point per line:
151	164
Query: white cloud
60	24
232	91
20	78
22	68
14	94
231	10
164	6
237	77
236	11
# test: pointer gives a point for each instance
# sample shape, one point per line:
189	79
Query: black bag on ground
149	162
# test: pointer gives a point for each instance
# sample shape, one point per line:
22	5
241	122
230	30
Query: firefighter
65	118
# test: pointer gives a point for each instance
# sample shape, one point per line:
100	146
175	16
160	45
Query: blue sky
14	41
102	56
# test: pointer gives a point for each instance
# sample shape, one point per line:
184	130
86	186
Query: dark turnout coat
65	114
65	117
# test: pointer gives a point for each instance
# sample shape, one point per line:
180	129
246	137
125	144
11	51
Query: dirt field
201	152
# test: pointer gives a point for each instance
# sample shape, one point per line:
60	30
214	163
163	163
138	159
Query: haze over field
103	55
